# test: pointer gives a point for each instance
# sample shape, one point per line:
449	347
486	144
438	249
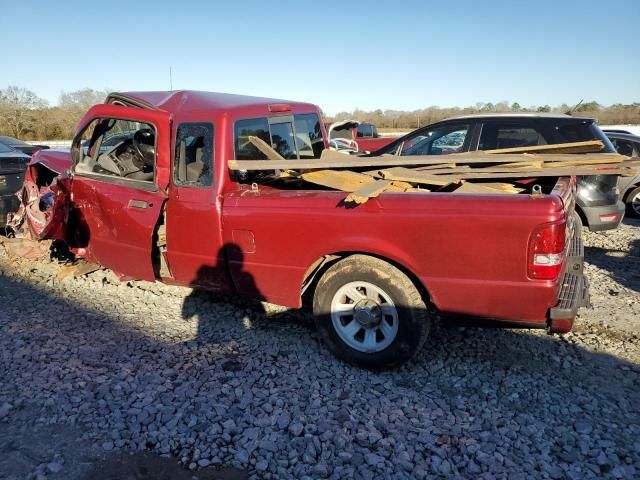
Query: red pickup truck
146	191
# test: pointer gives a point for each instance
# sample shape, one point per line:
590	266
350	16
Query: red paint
470	252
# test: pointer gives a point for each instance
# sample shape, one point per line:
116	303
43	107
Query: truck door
195	253
120	176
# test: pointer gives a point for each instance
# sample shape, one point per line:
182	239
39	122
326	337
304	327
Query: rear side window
193	165
440	140
365	130
548	131
255	127
496	136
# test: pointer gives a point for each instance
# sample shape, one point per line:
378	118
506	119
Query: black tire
635	193
414	321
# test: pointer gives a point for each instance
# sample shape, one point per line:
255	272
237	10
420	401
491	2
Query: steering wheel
144	144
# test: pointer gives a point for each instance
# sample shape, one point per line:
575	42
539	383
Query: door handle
137	204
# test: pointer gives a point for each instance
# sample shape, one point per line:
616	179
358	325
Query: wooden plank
394	161
591	146
265	148
368	191
500	188
338	179
547	166
409	175
546	172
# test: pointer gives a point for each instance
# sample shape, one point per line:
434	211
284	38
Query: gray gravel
90	368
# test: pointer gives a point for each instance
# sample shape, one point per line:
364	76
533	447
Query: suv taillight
547	251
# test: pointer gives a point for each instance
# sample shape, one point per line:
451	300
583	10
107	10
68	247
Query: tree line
26	116
408	120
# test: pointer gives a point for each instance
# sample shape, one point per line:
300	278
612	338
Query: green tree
18	110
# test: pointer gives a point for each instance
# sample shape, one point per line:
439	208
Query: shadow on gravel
531	386
623	266
146	466
50	376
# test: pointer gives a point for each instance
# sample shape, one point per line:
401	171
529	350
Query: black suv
627	144
598	199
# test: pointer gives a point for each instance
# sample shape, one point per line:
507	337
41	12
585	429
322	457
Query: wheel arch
627	193
322	264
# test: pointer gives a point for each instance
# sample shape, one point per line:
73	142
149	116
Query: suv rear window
536	131
496	136
300	138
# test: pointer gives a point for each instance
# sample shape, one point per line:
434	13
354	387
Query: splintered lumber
591	146
370	190
77	270
265	148
347	161
375	188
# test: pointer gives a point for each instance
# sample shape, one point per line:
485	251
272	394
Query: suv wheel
633	203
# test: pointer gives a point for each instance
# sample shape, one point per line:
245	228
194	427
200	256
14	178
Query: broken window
116	148
193	162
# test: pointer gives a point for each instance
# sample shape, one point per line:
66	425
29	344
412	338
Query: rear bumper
573	293
605	217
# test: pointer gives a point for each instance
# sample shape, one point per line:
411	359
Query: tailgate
573	289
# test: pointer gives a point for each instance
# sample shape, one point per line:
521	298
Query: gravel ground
92	370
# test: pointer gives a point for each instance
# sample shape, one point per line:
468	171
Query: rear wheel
633	203
369	313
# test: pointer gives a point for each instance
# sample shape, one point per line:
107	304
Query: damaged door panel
119	186
44	198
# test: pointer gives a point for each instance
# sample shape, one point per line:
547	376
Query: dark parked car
598	199
627	144
21	146
12	167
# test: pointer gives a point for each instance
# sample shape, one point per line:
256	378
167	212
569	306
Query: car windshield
5	149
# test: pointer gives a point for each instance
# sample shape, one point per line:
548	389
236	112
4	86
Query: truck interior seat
196	169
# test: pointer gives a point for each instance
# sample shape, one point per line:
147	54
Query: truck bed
434	236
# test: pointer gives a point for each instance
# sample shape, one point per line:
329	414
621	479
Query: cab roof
188	101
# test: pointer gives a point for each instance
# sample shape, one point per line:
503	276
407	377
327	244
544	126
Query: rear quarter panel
468	251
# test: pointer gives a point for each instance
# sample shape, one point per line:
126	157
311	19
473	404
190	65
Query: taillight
547	251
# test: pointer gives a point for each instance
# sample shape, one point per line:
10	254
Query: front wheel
369	313
633	203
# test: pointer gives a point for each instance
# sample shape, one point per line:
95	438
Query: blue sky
339	55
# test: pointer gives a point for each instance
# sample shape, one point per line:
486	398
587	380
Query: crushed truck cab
146	191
